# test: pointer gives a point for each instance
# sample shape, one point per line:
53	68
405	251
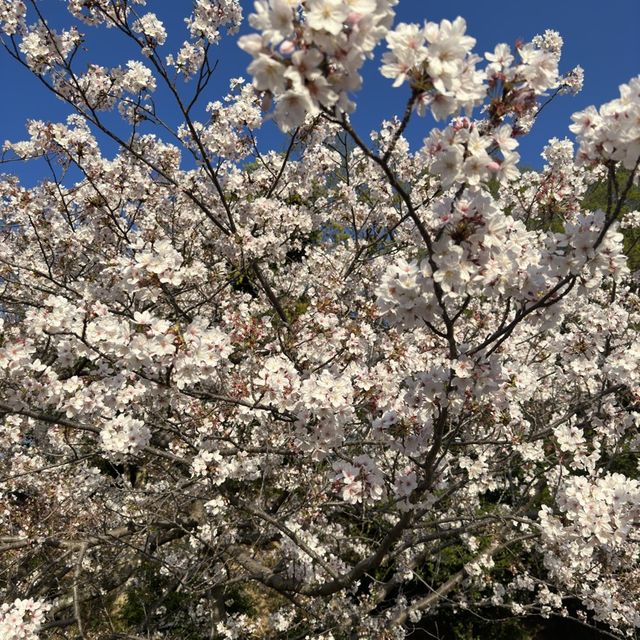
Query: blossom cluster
228	132
124	435
592	536
360	479
12	16
285	372
438	63
42	47
611	133
461	153
309	52
22	619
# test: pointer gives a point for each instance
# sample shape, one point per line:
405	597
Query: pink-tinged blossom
327	392
573	81
326	15
209	16
22	619
294	104
268	73
43	47
503	137
274	18
337	33
500	60
274	369
437	62
151	29
594	525
538	67
162	260
137	78
360	481
12	15
124	435
613	131
188	59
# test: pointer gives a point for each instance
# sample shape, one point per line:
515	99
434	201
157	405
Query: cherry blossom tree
330	392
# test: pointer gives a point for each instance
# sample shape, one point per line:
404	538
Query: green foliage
135	609
597	197
461	624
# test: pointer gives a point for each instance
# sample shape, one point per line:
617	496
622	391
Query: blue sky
603	37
